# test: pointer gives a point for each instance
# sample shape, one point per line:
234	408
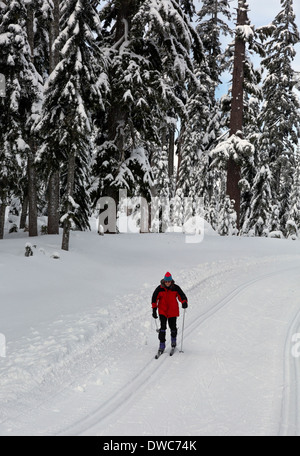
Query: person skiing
166	298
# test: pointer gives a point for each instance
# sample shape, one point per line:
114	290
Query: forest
98	97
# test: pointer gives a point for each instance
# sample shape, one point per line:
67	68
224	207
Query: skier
166	298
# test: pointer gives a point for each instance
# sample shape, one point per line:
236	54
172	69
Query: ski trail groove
289	419
122	397
235	292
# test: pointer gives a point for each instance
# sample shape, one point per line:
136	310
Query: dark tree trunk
171	151
53	189
70	191
32	184
236	119
2	219
32	196
53	203
24	212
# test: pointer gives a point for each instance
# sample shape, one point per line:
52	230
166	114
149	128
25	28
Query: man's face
168	283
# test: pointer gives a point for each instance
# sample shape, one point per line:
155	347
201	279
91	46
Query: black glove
184	305
154	312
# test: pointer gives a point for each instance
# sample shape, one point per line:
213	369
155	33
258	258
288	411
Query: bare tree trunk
32	187
70	190
236	119
53	195
24	212
32	196
179	149
53	203
2	219
171	151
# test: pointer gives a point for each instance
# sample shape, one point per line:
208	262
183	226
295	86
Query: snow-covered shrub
28	249
291	230
13	229
276	234
227	219
44	229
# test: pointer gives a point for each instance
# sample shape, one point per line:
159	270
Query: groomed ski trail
149	374
207	297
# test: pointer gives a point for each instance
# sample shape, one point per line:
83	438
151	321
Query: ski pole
181	351
157	330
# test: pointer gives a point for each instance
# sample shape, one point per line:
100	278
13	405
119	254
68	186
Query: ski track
289	420
151	370
89	417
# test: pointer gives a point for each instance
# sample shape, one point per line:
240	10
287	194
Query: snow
78	339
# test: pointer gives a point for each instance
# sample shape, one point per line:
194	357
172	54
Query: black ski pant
163	327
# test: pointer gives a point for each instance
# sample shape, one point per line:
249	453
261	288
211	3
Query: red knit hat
168	277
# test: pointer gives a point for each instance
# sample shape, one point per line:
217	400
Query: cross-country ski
158	354
172	351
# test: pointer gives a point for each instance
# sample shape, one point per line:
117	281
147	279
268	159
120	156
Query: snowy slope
80	339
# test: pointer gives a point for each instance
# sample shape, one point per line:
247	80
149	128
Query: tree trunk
171	151
32	186
179	149
236	118
32	195
24	212
70	190
2	219
53	195
53	203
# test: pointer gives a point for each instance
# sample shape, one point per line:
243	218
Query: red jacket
167	299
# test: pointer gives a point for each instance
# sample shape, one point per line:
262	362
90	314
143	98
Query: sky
262	12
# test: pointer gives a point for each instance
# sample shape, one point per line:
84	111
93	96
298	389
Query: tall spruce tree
258	221
212	29
18	106
74	92
46	58
281	110
293	219
202	126
150	47
236	111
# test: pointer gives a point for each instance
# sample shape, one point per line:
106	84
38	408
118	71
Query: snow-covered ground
80	340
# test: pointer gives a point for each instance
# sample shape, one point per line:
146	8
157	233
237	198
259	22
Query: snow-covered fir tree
293	219
193	137
227	218
257	222
43	20
150	46
247	123
281	109
213	18
73	94
203	124
119	80
18	107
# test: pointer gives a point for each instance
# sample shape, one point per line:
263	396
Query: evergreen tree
73	93
227	218
293	219
150	46
236	110
212	27
19	104
202	127
194	136
281	109
258	220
